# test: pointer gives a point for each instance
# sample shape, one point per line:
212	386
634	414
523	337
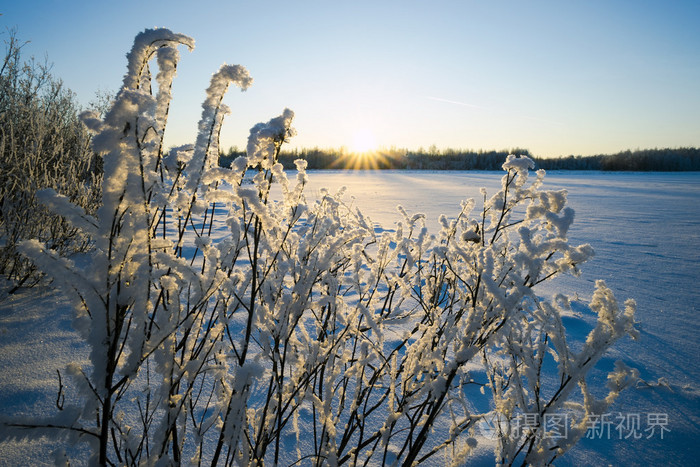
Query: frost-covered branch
229	318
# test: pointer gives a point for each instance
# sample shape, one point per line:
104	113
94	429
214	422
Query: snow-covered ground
645	228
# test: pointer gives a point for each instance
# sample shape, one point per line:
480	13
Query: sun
363	141
363	152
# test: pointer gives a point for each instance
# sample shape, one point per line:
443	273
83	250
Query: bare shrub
43	145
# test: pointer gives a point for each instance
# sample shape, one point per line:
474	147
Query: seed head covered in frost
518	163
167	63
145	45
227	74
265	139
206	148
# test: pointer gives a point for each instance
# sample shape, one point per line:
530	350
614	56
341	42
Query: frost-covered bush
302	335
43	144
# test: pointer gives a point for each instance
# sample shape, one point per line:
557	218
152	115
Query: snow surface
645	228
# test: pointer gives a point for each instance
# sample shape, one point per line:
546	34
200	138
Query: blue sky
556	77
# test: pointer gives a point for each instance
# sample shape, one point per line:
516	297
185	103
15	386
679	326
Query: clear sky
556	77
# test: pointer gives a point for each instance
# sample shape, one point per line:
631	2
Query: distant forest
641	160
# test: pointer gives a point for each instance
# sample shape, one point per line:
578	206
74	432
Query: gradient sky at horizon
555	77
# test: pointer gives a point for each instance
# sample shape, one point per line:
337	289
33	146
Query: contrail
453	102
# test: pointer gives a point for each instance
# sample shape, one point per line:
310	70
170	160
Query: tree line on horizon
640	160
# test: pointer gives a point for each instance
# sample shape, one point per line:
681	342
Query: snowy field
644	227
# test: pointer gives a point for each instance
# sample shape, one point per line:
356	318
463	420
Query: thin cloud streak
464	104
